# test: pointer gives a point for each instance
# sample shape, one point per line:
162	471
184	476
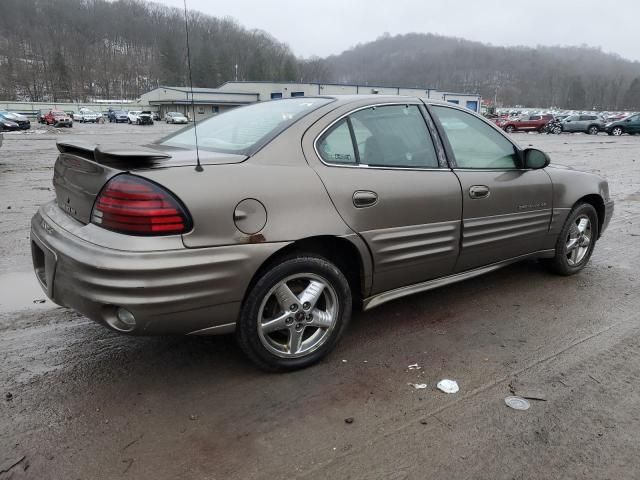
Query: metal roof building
210	101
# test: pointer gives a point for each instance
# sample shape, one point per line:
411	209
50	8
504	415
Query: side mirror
628	119
535	159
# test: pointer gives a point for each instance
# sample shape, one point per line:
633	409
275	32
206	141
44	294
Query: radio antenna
193	104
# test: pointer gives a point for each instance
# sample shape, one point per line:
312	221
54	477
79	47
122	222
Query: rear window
244	130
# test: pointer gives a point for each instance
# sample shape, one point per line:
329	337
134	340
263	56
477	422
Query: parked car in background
374	209
118	116
6	124
58	118
591	124
86	115
525	123
156	116
630	125
145	117
22	121
175	117
132	116
40	115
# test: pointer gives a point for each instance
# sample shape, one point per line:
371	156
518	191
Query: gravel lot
80	402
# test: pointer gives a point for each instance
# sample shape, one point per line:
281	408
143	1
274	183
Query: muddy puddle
21	291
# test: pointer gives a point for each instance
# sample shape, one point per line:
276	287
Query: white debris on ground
517	403
418	386
448	386
414	366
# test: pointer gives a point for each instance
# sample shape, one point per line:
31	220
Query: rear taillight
133	205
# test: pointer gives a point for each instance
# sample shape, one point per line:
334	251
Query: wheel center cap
300	316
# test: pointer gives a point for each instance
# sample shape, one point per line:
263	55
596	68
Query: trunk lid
82	169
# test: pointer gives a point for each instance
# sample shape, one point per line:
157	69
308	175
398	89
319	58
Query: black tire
560	263
617	131
247	334
509	129
593	130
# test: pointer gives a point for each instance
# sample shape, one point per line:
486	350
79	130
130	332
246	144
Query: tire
542	129
129	121
272	349
572	236
617	131
509	129
593	130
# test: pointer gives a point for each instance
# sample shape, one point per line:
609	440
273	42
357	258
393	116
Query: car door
392	186
634	125
506	209
570	123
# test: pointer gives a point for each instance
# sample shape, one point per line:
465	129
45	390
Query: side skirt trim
217	330
379	299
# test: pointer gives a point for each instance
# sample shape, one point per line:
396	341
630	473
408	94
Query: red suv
530	123
57	118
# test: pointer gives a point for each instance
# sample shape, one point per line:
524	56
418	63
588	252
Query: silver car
294	212
591	124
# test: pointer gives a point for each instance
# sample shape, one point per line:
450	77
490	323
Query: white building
273	90
209	101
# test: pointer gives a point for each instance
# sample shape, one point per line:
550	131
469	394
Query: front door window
475	144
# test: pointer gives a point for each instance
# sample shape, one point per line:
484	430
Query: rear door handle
479	191
364	198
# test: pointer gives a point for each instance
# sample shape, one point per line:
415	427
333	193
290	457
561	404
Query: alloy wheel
578	240
297	315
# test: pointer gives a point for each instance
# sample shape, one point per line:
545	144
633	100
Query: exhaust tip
121	319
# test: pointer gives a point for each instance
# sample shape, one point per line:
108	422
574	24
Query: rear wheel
593	130
576	240
295	314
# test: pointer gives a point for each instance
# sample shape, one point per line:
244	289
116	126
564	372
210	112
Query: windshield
245	129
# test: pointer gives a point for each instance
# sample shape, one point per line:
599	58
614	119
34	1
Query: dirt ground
80	402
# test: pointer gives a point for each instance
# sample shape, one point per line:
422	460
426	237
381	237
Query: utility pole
236	72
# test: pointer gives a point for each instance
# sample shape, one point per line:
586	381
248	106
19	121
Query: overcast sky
326	27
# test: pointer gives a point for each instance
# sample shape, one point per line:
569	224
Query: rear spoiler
114	155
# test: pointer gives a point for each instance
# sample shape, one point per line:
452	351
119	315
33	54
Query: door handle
364	198
479	191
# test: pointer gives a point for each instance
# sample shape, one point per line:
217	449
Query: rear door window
393	136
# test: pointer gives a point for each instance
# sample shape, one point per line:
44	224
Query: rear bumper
177	291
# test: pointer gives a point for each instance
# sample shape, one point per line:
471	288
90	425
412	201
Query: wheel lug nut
289	321
299	326
293	307
306	305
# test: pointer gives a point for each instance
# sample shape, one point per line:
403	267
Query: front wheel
576	240
593	130
509	129
294	314
617	131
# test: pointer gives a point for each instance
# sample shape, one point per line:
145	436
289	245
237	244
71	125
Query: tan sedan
292	213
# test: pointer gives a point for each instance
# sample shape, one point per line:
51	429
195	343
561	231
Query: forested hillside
77	49
84	49
568	77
